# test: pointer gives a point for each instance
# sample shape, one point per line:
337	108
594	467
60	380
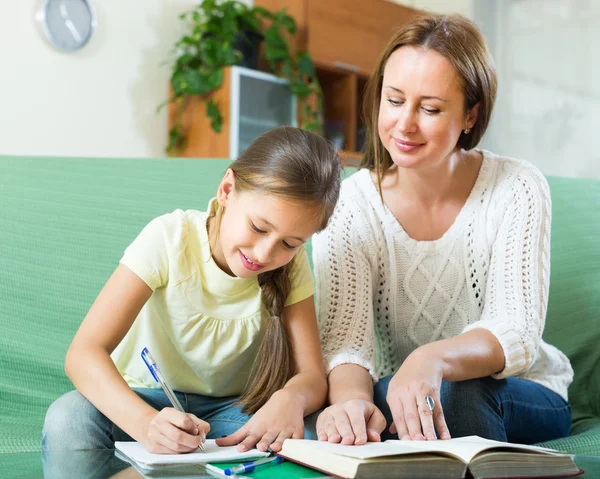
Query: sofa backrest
573	319
64	224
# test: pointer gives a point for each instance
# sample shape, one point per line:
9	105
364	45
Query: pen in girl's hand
158	377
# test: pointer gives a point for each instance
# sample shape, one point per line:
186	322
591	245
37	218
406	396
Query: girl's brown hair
291	164
459	41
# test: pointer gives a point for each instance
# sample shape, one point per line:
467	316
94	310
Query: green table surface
104	464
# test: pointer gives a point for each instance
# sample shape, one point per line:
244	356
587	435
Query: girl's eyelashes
259	231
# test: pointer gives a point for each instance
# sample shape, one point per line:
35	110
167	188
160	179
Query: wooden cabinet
345	39
351	34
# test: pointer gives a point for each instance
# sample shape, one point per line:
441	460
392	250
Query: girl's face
260	232
421	113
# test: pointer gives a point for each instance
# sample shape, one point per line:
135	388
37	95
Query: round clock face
68	24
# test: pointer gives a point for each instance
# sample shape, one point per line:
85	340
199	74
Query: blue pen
158	377
250	466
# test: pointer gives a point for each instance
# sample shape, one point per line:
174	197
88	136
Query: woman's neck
450	178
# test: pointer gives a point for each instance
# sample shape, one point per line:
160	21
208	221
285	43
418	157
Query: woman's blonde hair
459	41
291	164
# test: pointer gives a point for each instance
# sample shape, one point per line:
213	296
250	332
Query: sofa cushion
573	320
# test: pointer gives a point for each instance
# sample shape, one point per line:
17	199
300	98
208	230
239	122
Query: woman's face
422	112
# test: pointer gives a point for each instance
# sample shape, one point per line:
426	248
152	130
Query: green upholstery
573	320
64	224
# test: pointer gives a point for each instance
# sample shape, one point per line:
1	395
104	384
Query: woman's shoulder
358	184
513	174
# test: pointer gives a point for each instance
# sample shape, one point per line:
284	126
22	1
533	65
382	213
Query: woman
433	273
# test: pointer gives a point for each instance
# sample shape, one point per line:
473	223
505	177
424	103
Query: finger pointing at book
352	422
414	399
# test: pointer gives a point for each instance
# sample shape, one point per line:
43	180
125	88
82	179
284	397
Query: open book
449	459
135	452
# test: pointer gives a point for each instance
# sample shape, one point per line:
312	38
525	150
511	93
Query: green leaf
176	139
288	23
305	65
263	12
191	82
286	68
213	112
299	88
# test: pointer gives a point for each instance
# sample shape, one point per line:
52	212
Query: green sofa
64	223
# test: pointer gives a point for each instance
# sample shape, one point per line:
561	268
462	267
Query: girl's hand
172	432
352	422
281	418
419	376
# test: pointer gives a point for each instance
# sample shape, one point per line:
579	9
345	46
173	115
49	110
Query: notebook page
213	453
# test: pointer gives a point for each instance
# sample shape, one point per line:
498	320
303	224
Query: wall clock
67	24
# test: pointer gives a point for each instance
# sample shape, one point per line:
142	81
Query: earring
467	131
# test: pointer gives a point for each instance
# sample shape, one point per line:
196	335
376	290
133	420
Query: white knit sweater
382	294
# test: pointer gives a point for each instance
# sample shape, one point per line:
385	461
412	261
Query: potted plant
218	35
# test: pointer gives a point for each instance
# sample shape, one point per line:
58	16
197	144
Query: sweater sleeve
344	283
516	296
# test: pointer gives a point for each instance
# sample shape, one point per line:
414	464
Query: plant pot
248	44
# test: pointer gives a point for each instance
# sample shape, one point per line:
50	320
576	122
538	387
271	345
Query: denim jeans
74	425
510	410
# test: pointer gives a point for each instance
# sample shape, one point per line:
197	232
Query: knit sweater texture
381	294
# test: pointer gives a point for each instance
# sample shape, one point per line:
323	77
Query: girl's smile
249	264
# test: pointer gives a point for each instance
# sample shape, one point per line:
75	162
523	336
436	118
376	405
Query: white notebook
134	451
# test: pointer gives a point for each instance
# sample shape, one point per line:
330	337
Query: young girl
223	300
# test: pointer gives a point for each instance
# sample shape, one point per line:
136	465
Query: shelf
351	158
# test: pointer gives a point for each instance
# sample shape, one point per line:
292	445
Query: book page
365	451
213	453
466	448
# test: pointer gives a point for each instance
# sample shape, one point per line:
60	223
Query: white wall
100	101
548	106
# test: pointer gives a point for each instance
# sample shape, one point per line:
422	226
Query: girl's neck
215	247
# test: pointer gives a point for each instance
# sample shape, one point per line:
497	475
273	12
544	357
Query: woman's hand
355	421
419	376
172	432
281	418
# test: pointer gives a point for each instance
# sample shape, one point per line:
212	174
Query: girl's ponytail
274	364
291	164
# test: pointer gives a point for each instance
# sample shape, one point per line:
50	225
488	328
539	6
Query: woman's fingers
375	425
399	425
352	422
412	419
440	421
426	419
357	433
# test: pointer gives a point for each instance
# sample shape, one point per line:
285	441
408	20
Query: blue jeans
74	423
76	435
510	410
